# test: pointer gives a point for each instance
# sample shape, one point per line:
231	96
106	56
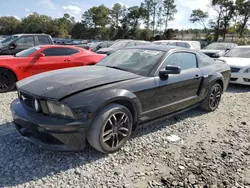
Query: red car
40	59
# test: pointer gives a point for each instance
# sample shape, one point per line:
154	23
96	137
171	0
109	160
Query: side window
43	40
26	41
60	51
182	59
181	44
172	44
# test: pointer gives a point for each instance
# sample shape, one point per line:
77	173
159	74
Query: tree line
148	21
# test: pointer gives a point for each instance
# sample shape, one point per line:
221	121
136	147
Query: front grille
246	79
233	79
27	99
234	69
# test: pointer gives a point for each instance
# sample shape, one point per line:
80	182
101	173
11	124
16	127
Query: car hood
237	62
62	83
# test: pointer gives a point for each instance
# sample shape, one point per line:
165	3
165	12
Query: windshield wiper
118	68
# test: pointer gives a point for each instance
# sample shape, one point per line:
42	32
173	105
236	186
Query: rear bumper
240	78
47	132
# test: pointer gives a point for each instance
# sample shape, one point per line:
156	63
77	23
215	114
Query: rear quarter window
196	45
204	60
43	40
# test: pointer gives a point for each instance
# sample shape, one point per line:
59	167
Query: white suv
196	45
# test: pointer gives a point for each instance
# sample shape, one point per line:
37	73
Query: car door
55	58
181	90
23	43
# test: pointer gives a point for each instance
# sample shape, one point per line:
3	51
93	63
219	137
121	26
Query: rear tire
111	128
7	80
212	100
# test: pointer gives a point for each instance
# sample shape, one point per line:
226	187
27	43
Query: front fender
95	101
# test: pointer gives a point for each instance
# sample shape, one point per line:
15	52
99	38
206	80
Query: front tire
111	128
7	80
212	100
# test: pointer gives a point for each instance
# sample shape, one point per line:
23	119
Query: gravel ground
214	151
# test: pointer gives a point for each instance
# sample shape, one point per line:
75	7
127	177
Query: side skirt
143	120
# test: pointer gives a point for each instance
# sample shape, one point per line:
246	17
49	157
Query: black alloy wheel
116	130
7	80
215	97
111	128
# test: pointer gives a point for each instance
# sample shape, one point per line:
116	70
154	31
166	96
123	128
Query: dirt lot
214	152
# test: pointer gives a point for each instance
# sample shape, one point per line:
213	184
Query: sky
56	8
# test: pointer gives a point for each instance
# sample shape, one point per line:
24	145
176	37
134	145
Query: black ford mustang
102	104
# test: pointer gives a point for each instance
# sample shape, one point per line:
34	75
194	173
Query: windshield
94	44
136	61
239	52
9	39
218	46
119	44
28	52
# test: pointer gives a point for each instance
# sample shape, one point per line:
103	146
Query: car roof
245	46
175	41
28	34
163	48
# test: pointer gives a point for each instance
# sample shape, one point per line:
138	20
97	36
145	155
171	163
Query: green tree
160	18
225	12
100	16
116	13
169	11
147	6
200	17
243	10
87	18
36	23
8	25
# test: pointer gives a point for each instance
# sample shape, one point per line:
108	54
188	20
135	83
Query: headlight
59	109
247	71
37	105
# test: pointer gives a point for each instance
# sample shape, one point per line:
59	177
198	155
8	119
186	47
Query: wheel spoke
121	133
115	119
123	121
117	140
218	95
113	141
123	129
108	137
107	132
111	123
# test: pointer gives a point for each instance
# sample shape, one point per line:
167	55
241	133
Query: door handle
67	60
197	77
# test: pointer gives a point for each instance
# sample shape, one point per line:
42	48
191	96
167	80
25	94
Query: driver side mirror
38	56
12	45
170	69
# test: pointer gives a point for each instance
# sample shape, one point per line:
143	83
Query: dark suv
19	42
